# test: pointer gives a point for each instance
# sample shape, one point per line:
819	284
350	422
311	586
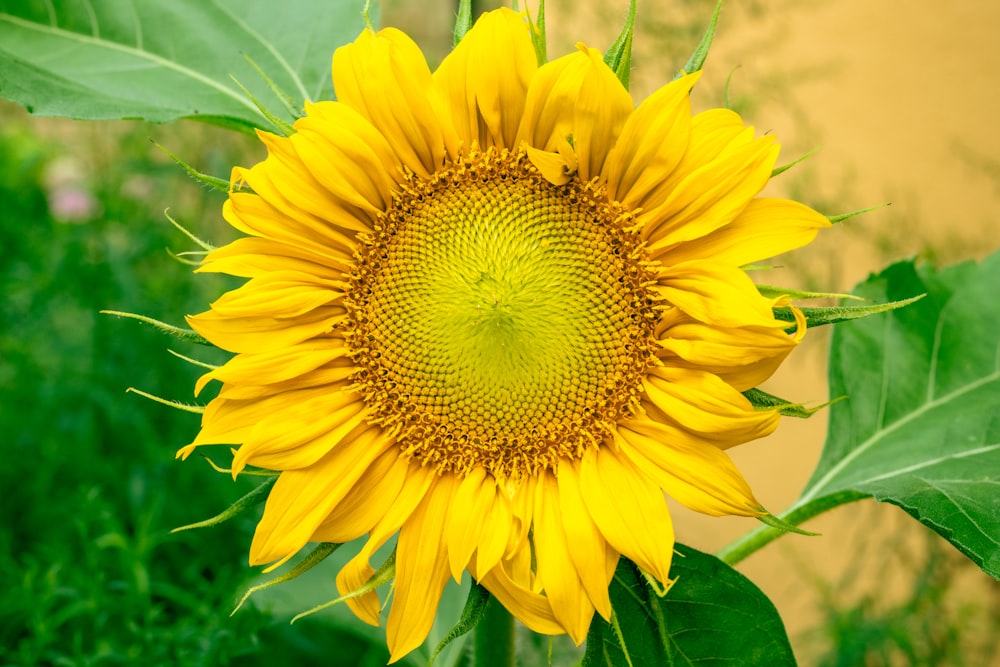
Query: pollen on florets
498	320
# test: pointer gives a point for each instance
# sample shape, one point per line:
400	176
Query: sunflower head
496	311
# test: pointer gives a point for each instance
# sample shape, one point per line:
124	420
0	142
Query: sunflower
496	310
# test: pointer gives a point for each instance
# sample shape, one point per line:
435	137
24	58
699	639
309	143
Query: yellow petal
331	377
695	473
712	195
557	167
715	294
421	569
527	606
271	216
765	228
295	195
367	501
346	156
277	365
651	144
358	570
281	294
554	565
249	257
264	334
301	499
230	422
471	518
589	548
705	405
487	101
385	78
297	438
629	510
576	98
742	356
293	178
495	536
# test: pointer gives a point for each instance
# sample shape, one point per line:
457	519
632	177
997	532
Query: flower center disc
500	321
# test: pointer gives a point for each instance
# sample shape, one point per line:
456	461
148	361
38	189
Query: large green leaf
165	59
712	615
920	423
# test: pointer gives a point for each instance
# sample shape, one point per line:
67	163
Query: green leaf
697	59
165	60
711	616
920	426
619	56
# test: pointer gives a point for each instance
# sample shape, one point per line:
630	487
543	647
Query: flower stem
495	637
736	551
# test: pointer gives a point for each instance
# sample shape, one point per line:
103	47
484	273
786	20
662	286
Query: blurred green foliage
89	573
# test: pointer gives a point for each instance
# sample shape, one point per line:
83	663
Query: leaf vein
267	45
880	434
961	509
927	464
132	51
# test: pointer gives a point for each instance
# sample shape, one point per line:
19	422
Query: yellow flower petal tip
498	310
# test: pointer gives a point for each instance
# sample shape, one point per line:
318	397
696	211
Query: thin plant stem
494	642
747	544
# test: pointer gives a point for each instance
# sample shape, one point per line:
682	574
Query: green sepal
383	575
189	335
285	99
463	22
725	92
366	15
249	471
315	557
475	607
204	245
761	400
213	182
280	124
847	216
771	292
538	38
782	525
697	59
619	55
785	167
193	362
818	316
181	257
186	407
252	499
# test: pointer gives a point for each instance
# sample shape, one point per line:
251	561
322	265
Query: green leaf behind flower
920	427
160	61
712	616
